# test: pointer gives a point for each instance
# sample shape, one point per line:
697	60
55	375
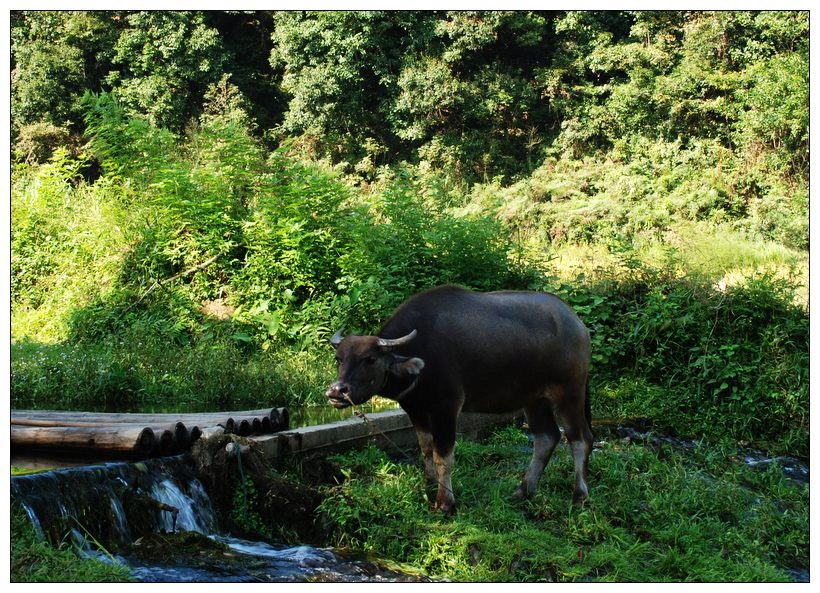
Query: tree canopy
478	94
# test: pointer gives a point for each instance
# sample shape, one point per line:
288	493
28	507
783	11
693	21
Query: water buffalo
449	349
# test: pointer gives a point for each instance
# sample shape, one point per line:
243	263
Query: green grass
143	375
653	516
36	561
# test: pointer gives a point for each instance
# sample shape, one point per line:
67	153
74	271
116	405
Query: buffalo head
365	363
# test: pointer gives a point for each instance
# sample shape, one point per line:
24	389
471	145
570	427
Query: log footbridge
134	435
138	436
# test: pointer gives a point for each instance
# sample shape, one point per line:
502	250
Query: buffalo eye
370	360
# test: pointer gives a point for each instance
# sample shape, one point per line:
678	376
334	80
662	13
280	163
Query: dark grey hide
449	349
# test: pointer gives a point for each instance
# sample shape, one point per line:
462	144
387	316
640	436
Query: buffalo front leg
444	441
546	436
445	499
425	438
424	434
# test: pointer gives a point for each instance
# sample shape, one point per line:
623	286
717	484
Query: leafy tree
340	70
774	97
43	73
441	87
470	98
55	57
163	62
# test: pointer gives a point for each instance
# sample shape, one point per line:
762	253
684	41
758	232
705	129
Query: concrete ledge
390	430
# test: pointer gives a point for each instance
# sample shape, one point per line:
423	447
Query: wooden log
260	421
165	441
247	425
180	434
66	423
182	438
244	427
156	426
130	439
280	418
275	420
201	418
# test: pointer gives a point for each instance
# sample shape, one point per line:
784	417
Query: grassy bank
37	561
146	376
655	515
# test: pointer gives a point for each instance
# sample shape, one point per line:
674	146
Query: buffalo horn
337	337
385	343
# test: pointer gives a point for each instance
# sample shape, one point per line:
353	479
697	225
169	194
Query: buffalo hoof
447	509
521	493
579	498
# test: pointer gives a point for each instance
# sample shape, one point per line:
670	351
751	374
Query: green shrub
708	362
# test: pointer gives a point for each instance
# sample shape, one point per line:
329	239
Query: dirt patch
218	309
223	463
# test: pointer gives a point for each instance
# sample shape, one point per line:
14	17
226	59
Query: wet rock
192	557
187	548
799	575
794	469
223	463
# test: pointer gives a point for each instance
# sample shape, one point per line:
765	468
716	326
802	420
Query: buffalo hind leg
580	439
546	436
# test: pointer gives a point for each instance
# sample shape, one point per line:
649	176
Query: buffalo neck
396	388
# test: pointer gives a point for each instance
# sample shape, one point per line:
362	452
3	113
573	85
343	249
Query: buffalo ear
337	338
403	366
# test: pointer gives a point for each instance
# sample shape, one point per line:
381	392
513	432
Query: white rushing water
108	506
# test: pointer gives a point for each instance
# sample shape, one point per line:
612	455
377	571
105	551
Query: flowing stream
117	506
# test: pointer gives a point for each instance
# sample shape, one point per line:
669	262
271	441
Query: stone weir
179	518
389	430
158	519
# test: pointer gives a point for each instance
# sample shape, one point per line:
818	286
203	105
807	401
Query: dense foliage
478	94
200	198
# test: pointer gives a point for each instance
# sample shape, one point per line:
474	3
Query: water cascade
112	507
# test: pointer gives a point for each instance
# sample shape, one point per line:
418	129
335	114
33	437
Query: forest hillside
200	199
